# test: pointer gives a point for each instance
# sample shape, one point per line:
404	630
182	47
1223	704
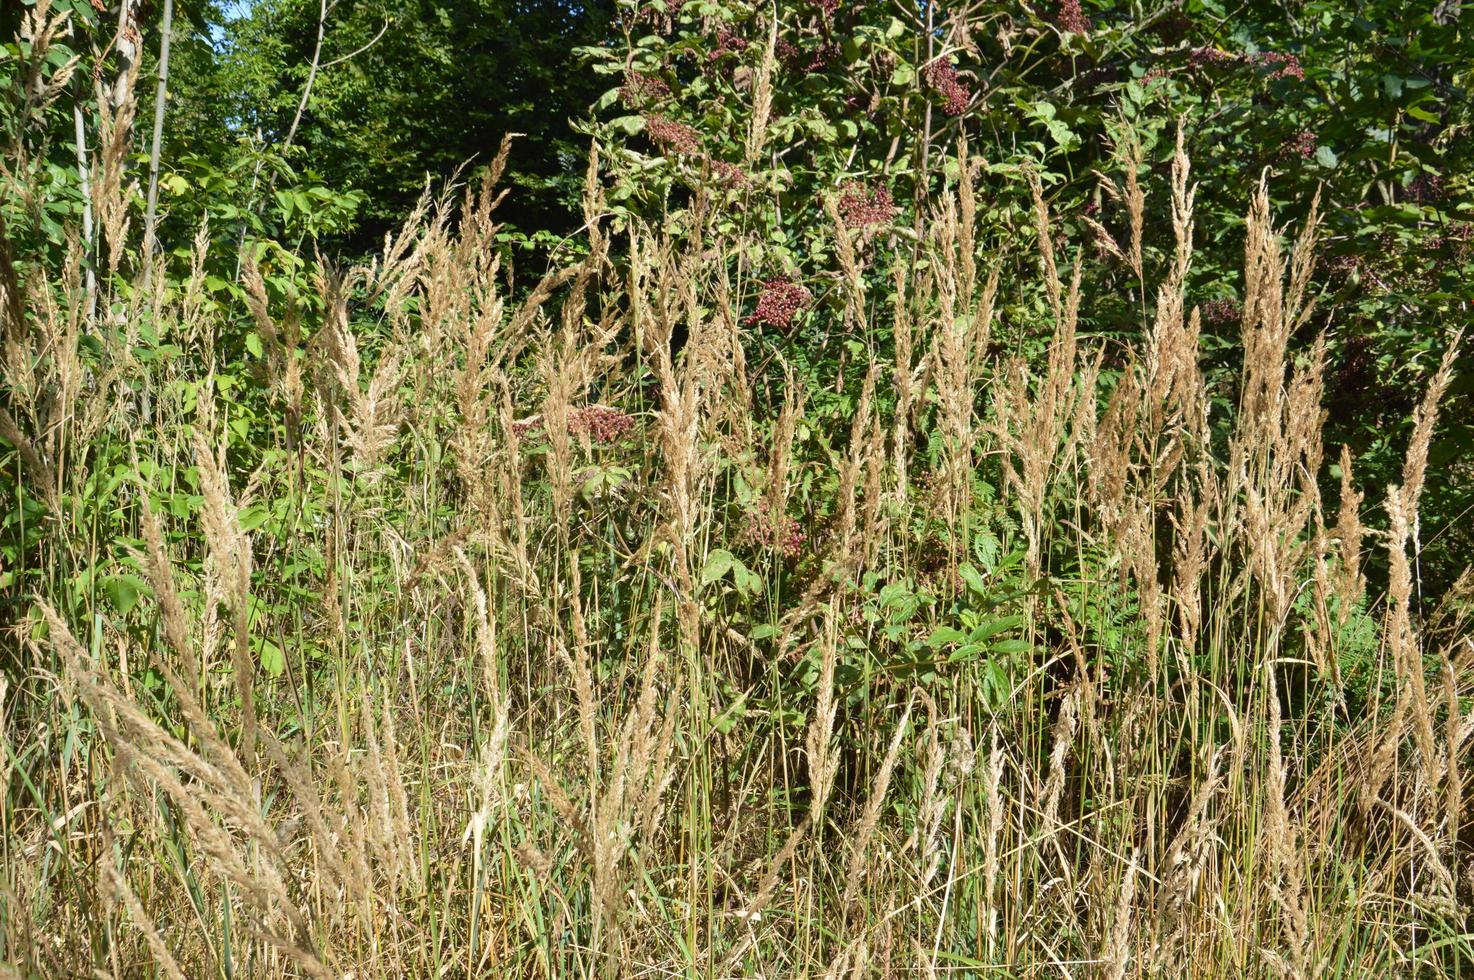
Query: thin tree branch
354	54
151	217
322	21
85	177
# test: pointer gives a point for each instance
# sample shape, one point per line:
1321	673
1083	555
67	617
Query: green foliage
1367	105
372	448
417	91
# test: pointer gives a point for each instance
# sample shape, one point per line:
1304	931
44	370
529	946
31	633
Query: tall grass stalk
494	631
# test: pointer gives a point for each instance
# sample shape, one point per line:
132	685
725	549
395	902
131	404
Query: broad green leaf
945	634
717	564
993	628
123	591
271	657
747	581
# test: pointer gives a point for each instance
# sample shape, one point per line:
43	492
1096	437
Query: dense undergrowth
456	623
472	635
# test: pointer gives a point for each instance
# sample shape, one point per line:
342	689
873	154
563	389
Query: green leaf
748	582
945	634
253	517
271	657
966	652
991	629
717	564
629	125
728	719
974	579
995	683
123	591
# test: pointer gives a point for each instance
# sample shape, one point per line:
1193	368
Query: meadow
467	617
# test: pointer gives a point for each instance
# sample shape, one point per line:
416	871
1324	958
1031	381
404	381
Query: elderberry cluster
779	302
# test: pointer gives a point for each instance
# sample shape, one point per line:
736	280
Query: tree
410	90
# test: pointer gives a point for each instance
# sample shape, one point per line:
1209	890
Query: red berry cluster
640	88
728	42
828	8
729	173
806	59
648	13
1201	57
1281	64
782	534
1343	267
1072	19
600	423
671	135
821	56
1425	188
861	205
1221	312
1302	144
1458	239
779	302
942	76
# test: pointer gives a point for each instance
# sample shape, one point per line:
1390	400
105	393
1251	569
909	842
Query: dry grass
532	721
